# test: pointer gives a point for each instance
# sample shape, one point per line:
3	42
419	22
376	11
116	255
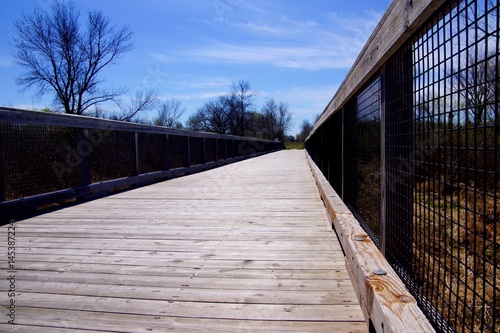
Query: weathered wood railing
51	158
411	144
366	148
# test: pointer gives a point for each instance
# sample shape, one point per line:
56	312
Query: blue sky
295	51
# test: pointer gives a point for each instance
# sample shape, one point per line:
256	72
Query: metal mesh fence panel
152	152
455	166
334	152
210	150
112	156
196	147
177	151
239	147
363	157
230	151
440	183
399	148
221	149
37	159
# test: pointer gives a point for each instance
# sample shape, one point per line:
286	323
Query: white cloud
202	83
295	57
201	95
286	43
307	100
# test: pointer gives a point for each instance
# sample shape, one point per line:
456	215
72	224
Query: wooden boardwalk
245	247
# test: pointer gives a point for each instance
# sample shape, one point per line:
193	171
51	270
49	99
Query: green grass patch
294	145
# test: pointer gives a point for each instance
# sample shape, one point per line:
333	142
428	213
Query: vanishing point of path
245	247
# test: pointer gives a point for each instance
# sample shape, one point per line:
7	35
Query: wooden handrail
11	115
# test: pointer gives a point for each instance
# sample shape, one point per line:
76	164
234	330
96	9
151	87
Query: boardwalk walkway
245	247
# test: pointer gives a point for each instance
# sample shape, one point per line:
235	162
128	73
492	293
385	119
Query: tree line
235	113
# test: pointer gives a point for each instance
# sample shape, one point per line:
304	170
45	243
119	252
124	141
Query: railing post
84	141
225	148
216	150
136	154
166	153
204	152
188	153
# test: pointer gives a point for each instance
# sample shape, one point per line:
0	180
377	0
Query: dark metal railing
49	158
413	150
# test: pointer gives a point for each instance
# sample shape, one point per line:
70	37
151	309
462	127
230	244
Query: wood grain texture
247	247
385	300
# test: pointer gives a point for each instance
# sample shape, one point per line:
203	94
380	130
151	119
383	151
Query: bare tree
169	113
142	101
305	129
276	119
477	81
475	75
239	103
195	122
233	114
269	119
61	57
211	117
284	120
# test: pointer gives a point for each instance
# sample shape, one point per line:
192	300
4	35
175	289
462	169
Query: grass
294	145
461	252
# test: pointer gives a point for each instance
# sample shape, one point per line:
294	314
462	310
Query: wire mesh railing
48	158
420	163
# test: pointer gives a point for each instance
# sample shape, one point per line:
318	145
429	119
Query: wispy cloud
286	43
200	83
292	57
307	100
296	57
196	96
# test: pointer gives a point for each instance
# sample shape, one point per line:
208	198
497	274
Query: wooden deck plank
246	247
77	260
113	322
167	281
342	296
173	308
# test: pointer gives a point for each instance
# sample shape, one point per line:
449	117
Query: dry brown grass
462	250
